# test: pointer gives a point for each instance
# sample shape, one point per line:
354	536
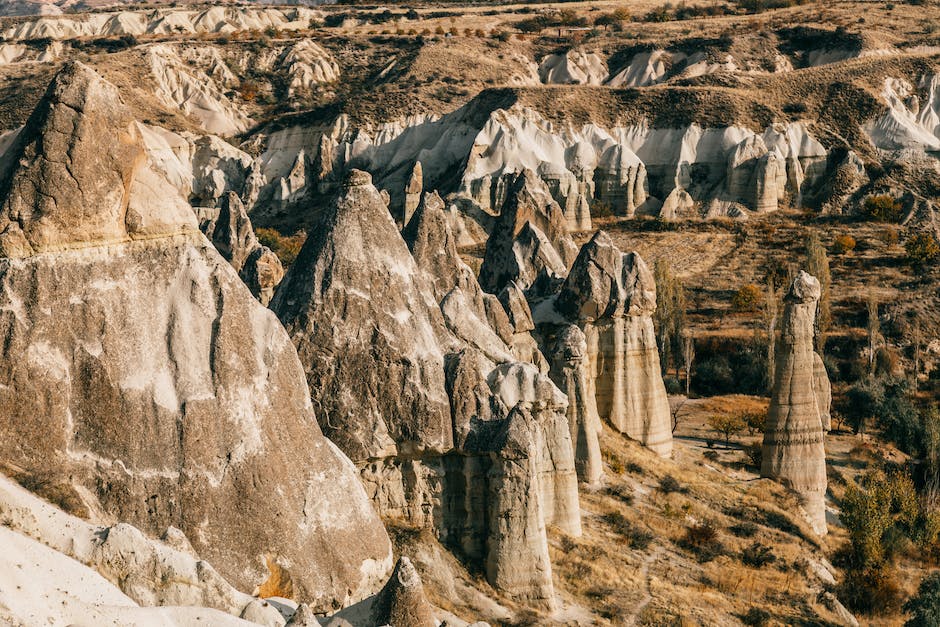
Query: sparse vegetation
747	298
286	247
882	208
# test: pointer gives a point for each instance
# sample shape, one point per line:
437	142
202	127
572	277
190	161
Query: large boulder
138	369
794	450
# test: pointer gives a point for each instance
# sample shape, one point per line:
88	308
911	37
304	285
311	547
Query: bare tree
688	356
675	413
874	332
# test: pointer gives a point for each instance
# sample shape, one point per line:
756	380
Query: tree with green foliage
924	607
882	208
817	264
728	425
670	316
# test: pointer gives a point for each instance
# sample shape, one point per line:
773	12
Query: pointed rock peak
639	286
79	175
529	200
428	228
402	602
358	178
513	300
805	288
593	288
304	617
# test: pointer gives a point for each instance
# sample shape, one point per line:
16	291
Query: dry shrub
873	591
701	539
747	298
286	247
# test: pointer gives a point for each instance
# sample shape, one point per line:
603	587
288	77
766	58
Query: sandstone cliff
138	369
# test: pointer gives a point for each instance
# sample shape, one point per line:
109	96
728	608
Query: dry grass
601	572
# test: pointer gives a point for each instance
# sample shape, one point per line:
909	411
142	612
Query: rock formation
413	378
611	296
530	237
571	372
137	368
413	192
793	451
231	232
356	291
402	603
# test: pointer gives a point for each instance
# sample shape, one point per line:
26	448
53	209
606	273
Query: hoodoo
138	370
611	296
794	450
414	383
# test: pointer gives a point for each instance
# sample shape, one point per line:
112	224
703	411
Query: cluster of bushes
724	369
895	511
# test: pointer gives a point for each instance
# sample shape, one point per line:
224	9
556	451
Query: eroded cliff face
138	369
794	448
628	169
417	386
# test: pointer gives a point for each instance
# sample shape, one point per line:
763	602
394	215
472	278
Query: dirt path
631	619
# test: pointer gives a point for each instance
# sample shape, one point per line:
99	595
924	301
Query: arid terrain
446	314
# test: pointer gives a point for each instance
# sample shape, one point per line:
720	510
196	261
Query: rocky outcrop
231	232
530	237
793	451
571	372
574	67
413	192
356	291
137	368
402	602
409	365
611	296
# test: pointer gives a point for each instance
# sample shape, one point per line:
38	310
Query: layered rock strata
137	369
794	449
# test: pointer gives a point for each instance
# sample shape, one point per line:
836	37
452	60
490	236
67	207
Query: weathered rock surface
571	372
355	291
794	450
409	363
413	192
611	296
136	365
530	237
150	572
402	602
231	232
